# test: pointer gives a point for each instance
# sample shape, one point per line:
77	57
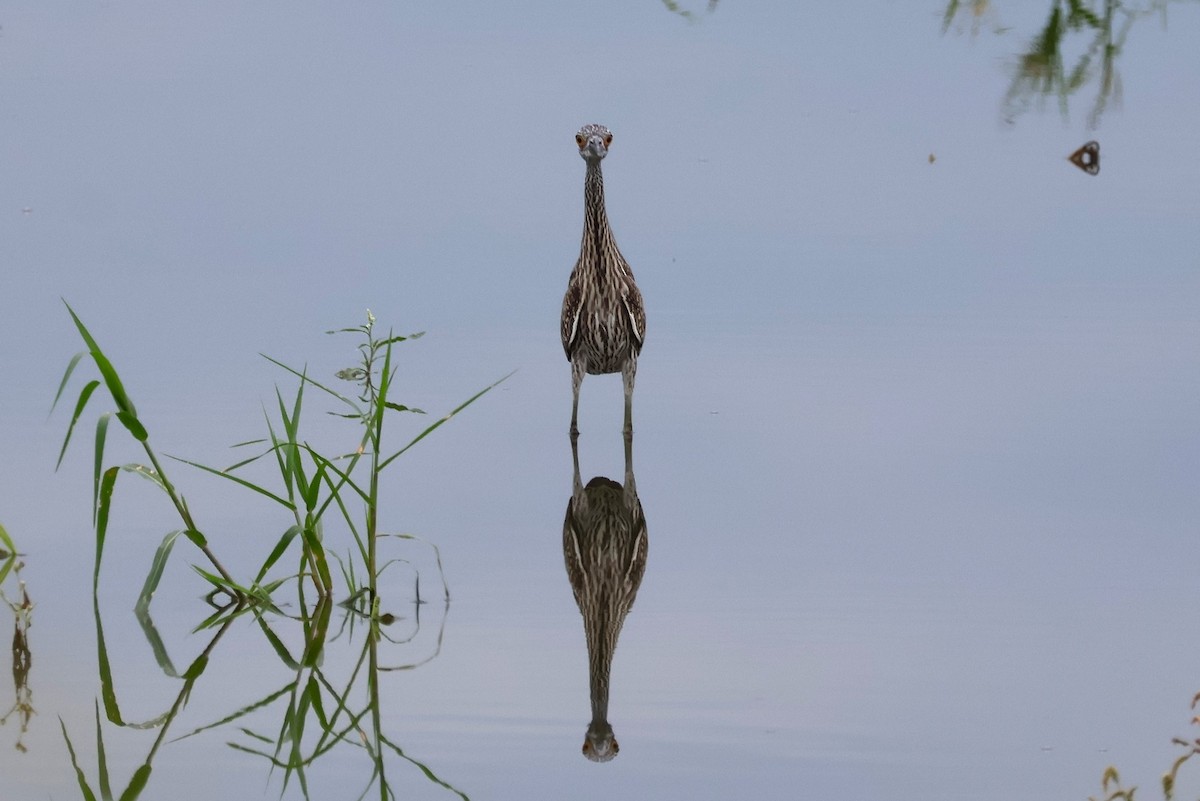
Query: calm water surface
917	441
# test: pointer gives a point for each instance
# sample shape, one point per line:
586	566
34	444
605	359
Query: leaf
157	566
148	473
314	489
102	511
245	462
196	668
344	476
277	551
216	581
161	655
83	785
316	384
237	480
401	408
277	644
102	759
130	421
241	712
399	338
317	554
98	461
429	774
84	396
138	783
66	377
107	371
438	424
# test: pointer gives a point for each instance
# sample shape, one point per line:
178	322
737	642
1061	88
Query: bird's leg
628	374
630	487
577	482
576	381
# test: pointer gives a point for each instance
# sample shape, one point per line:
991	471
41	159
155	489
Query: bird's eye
607	140
579	140
616	747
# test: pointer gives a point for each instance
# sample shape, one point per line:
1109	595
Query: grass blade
84	396
238	480
161	656
148	473
316	384
240	713
317	552
107	371
156	570
137	783
84	788
133	425
438	424
105	506
429	774
66	377
277	551
98	461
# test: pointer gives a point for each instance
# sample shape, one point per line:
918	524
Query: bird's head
593	141
600	745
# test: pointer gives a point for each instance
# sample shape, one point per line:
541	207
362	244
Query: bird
605	542
603	319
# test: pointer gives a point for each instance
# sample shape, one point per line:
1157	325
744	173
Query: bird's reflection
604	546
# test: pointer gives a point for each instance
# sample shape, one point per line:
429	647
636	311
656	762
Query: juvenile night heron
604	547
603	321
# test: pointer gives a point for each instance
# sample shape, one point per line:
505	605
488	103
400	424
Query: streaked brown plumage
603	320
604	546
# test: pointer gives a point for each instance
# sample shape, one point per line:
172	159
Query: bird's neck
597	234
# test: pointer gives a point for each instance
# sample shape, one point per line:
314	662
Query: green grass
318	493
312	486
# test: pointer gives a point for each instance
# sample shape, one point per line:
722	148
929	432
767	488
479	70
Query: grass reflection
676	8
314	711
1078	46
22	657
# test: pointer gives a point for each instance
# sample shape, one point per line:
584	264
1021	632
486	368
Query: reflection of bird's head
593	141
600	745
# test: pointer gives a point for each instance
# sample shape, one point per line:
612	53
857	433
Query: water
916	440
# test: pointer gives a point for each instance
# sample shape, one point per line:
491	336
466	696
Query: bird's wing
572	306
573	554
636	312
